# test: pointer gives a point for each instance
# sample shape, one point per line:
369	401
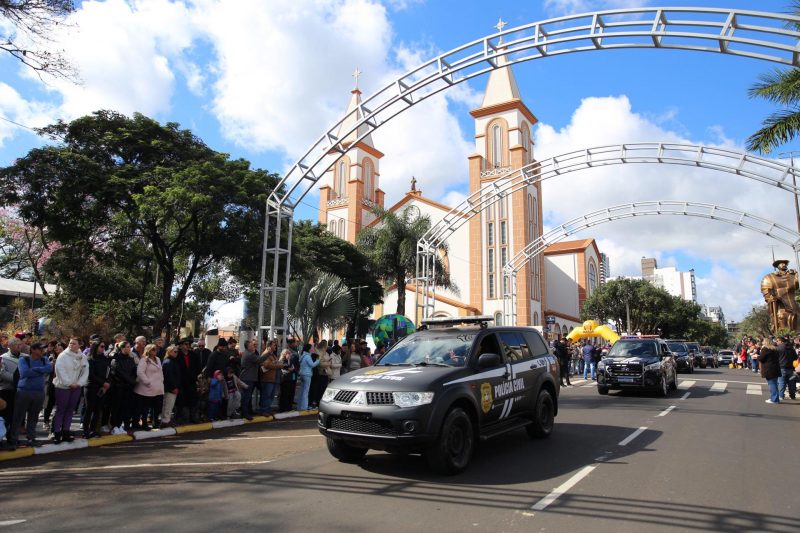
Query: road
712	457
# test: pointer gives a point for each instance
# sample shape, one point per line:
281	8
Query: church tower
351	188
503	143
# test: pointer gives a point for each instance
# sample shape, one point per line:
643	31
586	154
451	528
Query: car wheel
345	452
453	449
545	412
602	390
663	390
674	384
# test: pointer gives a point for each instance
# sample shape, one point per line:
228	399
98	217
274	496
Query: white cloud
735	253
15	108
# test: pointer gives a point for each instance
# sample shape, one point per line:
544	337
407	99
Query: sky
263	79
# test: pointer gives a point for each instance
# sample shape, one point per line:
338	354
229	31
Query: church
550	289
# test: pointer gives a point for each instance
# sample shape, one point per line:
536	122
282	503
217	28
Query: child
216	392
234	386
3	444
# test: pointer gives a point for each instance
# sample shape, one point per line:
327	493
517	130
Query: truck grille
634	369
345	396
364	427
380	398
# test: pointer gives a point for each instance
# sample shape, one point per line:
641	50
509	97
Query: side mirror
489	360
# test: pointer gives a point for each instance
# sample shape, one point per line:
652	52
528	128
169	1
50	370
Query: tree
757	323
27	34
320	301
391	246
780	87
140	196
24	250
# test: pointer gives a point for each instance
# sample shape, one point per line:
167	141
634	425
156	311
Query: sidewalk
106	440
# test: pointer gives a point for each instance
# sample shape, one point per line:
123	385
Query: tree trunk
400	280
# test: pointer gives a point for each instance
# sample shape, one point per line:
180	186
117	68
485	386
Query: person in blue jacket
307	365
33	370
216	393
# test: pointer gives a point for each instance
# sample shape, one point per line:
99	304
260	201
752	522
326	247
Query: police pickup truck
441	390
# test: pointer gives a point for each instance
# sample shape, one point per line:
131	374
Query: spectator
161	352
588	360
8	382
355	356
270	379
786	358
97	388
149	388
123	380
172	383
3	342
53	349
334	370
249	375
235	387
366	356
770	369
137	352
218	360
33	370
72	373
562	353
216	393
203	352
289	372
307	365
190	368
318	388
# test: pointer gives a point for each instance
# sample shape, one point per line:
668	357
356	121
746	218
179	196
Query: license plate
356	415
627	379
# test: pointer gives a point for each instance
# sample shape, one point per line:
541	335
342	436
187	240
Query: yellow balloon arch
591	328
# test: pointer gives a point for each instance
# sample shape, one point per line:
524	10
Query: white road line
589	385
542	504
666	411
11	522
685	384
718	387
727	381
632	436
275	437
754	389
125	467
685	395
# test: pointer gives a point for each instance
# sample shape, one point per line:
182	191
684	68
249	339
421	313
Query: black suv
440	390
684	362
709	358
696	353
645	364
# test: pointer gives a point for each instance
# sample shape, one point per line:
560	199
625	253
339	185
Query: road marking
11	522
685	396
727	381
754	389
542	504
589	385
125	467
666	411
685	384
632	436
718	387
275	437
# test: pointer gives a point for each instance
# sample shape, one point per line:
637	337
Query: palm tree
319	301
391	245
782	88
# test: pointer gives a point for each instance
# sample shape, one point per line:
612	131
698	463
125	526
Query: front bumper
379	427
683	363
649	380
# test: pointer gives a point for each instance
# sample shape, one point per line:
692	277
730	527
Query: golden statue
778	289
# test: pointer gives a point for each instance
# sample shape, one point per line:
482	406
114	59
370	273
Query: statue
778	289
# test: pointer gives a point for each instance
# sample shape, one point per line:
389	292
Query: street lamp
358	306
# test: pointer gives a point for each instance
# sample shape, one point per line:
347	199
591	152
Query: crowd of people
118	386
775	359
577	358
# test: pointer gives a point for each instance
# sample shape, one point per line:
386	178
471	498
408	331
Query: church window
503	232
505	285
503	256
535	319
501	206
490	233
497	146
490	260
592	277
498	319
491	286
341	229
332	227
526	142
368	179
340	179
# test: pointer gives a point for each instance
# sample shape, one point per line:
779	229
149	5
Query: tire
544	417
345	452
454	447
674	384
663	390
602	390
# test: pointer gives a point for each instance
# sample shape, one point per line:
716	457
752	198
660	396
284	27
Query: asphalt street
711	456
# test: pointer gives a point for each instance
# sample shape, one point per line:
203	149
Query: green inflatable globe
391	328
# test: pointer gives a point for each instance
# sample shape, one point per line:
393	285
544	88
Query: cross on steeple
356	74
501	24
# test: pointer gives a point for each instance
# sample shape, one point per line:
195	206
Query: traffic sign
550	319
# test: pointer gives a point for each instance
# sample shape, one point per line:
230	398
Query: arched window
332	227
341	229
498	319
341	179
535	319
497	146
369	174
526	141
592	277
564	330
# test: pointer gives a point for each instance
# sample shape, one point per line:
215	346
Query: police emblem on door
486	397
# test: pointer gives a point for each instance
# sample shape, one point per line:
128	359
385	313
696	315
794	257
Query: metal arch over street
768	171
753	34
648	208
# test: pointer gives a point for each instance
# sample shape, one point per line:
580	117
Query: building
481	248
30	292
670	279
605	269
714	314
572	271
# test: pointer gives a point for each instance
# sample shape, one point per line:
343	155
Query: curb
106	440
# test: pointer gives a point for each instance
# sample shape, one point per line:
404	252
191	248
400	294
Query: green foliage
652	310
319	301
142	211
757	323
391	245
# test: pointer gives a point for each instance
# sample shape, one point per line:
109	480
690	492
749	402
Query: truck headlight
654	366
329	394
412	399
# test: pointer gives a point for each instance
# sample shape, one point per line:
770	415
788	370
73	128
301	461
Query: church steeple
354	115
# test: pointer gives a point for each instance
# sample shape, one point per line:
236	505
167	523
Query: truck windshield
677	347
632	349
450	350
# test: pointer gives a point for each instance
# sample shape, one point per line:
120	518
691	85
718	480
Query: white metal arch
744	33
743	219
768	171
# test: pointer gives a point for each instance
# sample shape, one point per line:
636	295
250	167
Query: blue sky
262	80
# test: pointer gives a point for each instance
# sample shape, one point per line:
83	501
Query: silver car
726	357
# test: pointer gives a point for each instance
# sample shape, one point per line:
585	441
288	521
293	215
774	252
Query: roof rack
441	322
